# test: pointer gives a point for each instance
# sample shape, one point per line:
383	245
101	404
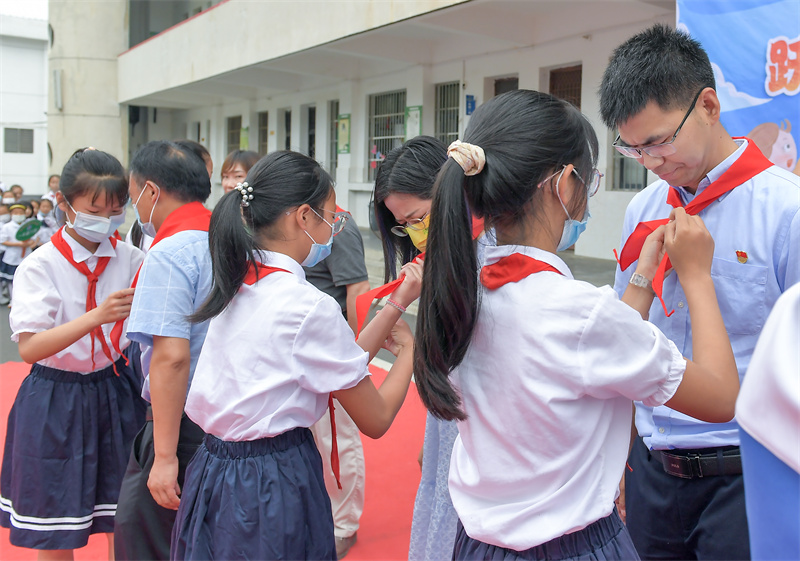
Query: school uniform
547	385
756	231
73	420
255	488
12	256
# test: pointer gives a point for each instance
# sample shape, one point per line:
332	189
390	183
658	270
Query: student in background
15	250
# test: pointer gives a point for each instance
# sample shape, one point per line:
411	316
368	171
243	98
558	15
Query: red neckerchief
512	268
191	216
259	271
748	165
363	301
91	295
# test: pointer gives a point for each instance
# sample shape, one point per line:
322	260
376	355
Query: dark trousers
673	518
142	528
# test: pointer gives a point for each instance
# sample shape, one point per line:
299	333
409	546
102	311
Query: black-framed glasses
339	219
412	224
657	150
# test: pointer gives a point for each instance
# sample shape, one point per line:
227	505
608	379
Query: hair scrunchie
470	157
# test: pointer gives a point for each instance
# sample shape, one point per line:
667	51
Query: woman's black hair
409	169
280	181
94	171
245	158
526	136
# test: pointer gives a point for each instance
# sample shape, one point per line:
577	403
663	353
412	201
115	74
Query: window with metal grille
234	133
387	121
263	132
447	97
287	129
503	85
566	84
626	173
333	136
312	132
18	141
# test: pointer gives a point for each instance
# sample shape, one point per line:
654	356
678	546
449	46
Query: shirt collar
282	261
495	253
716	172
81	254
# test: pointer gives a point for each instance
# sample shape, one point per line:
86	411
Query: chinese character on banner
783	66
754	49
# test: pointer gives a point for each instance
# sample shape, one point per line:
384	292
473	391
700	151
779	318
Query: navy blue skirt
261	499
605	539
7	271
68	441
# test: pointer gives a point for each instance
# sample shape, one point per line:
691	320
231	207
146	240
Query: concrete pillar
82	107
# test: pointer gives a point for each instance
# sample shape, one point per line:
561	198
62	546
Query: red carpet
392	478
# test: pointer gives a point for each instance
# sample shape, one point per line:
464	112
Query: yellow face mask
419	233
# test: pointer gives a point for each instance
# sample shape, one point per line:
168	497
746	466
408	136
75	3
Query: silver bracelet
394	304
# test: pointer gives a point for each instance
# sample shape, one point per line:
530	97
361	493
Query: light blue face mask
318	251
572	228
147	227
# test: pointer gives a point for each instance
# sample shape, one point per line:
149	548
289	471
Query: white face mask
18	218
5	219
9	200
94	228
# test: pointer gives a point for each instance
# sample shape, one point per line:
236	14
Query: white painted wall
23	99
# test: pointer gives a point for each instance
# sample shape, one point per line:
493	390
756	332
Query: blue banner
754	47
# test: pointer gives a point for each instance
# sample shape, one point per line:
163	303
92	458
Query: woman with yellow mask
403	195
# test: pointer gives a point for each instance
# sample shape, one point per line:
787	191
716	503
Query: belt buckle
680	466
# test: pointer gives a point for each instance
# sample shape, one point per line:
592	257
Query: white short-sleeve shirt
271	358
12	254
547	385
48	291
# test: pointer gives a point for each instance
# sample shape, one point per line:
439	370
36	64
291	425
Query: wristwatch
641	281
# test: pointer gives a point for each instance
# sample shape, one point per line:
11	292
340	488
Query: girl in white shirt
539	369
73	420
276	350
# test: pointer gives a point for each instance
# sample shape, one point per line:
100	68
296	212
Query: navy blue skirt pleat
262	499
603	540
67	444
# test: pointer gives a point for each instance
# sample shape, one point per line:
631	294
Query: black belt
708	462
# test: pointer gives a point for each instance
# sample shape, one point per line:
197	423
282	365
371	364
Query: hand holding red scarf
748	165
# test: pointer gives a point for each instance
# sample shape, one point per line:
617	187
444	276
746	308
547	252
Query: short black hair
90	171
173	168
195	148
659	64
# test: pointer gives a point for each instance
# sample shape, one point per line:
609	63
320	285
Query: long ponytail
232	252
448	305
525	136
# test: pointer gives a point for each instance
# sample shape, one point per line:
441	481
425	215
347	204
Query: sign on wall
754	47
343	136
413	121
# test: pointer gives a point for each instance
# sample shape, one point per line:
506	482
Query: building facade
345	82
24	156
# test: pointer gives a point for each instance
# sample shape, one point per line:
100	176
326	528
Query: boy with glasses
684	493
